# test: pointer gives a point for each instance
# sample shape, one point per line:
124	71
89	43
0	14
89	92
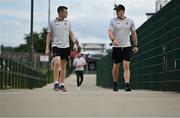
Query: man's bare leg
126	68
115	73
57	62
63	74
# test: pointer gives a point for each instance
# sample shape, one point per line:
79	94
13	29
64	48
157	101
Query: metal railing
17	75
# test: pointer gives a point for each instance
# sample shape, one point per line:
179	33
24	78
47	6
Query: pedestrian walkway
89	101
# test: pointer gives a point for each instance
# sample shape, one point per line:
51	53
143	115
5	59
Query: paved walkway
90	101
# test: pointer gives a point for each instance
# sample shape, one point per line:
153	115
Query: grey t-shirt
79	63
121	30
60	33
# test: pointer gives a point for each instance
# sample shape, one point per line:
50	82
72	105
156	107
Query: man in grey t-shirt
119	33
59	31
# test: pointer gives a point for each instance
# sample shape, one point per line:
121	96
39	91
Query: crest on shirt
127	23
65	23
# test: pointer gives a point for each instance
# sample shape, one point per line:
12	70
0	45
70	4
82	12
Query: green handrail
16	75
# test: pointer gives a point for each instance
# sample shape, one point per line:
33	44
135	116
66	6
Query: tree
22	48
39	42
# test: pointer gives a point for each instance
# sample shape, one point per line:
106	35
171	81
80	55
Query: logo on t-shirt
65	23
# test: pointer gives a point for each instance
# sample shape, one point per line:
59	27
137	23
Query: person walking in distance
79	63
119	33
59	30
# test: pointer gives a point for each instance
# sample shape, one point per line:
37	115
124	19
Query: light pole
115	3
31	29
49	9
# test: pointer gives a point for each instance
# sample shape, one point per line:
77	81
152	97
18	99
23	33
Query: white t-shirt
79	63
60	33
121	30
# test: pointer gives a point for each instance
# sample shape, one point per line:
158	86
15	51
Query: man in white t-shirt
119	33
79	63
59	30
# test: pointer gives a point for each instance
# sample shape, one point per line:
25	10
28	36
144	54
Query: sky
90	18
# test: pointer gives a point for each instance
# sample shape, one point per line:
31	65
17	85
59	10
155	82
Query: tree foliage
39	41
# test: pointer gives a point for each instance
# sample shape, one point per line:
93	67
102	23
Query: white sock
61	84
127	81
55	82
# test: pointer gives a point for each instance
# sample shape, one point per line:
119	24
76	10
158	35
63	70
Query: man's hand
135	50
75	47
116	42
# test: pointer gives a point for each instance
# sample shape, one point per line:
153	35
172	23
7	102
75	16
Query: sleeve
70	27
132	25
50	27
84	61
111	26
74	62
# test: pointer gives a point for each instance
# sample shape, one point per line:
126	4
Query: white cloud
10	1
14	34
19	14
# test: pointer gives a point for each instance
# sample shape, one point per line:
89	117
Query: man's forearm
73	37
111	36
135	40
48	38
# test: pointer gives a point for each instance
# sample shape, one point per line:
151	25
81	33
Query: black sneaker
56	87
128	89
62	89
115	87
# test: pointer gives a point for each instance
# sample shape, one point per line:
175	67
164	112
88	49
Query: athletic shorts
119	54
64	53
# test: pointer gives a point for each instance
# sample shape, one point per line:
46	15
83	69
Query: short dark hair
119	7
61	8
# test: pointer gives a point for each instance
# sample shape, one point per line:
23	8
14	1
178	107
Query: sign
44	58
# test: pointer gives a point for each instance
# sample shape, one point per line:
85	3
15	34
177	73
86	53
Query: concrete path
89	101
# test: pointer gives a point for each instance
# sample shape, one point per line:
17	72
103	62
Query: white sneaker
78	88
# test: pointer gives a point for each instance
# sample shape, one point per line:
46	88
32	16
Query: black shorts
64	53
120	54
